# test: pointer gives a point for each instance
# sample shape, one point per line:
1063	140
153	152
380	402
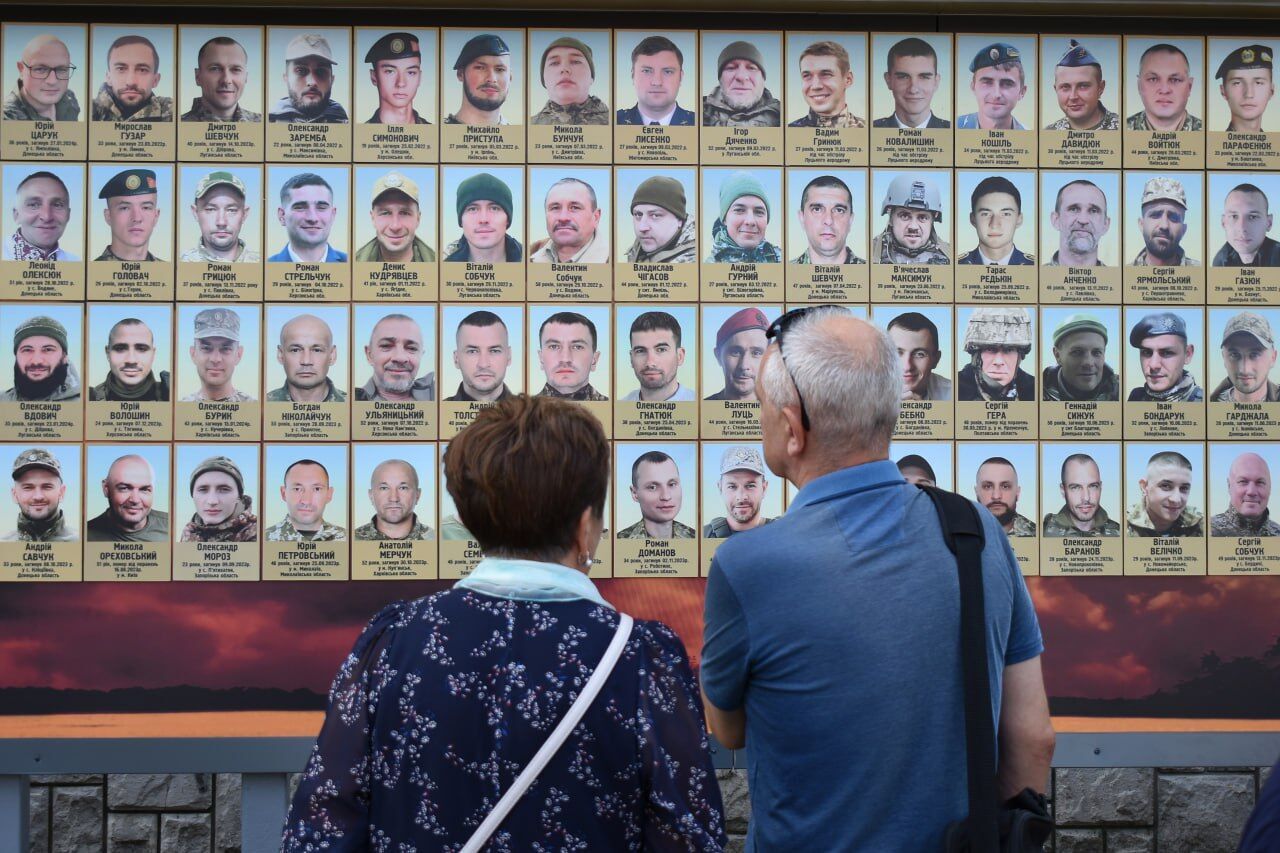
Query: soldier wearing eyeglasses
43	92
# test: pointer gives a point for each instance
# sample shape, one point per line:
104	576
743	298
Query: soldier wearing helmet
914	206
997	340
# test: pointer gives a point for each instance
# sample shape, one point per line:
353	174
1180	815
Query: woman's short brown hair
522	473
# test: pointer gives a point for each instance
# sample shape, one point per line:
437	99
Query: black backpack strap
962	531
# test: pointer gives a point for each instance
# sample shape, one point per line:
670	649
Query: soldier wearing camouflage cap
1164	84
42	368
1078	83
483	67
220	208
999	83
133	209
1081	372
1164	353
567	70
914	207
308	75
395	214
997	340
1163	224
1246	85
1248	354
396	72
215	352
38	491
224	513
742	486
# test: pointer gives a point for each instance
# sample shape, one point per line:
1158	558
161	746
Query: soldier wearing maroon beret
740	344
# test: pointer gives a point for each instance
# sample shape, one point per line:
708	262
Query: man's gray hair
590	189
851	391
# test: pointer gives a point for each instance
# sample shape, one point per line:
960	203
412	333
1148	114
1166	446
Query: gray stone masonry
38	811
77	819
1079	841
1130	841
226	813
1204	812
186	833
160	792
132	833
1104	797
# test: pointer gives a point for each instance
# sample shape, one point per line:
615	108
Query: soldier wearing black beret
132	212
484	70
396	73
1245	83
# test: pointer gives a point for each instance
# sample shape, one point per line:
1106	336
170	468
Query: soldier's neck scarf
37	529
1177	392
989	388
725	251
25	251
42	389
530	580
147	389
240	526
889	244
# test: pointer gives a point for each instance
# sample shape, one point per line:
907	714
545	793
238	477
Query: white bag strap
540	759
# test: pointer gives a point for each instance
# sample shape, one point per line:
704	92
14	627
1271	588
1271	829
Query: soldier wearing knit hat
223	510
740	98
1081	371
664	229
740	344
740	234
42	368
484	206
568	69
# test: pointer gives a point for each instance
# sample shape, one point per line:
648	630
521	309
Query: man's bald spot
1249	463
410	471
303	323
394	318
41	42
132	464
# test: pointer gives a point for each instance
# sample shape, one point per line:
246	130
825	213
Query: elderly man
740	344
215	352
306	351
999	84
1163	509
128	92
222	72
307	213
1080	218
1080	482
997	340
912	76
43	92
916	470
1249	490
856	535
914	207
656	358
665	229
569	353
483	68
42	367
220	209
1246	86
484	213
1163	354
568	70
1246	219
740	98
740	235
1164	84
655	486
574	235
995	212
742	486
38	492
41	211
915	337
396	215
826	215
394	351
1163	224
306	492
1078	85
482	354
1248	354
1081	372
132	212
996	488
131	350
825	78
657	71
395	70
130	490
308	77
394	493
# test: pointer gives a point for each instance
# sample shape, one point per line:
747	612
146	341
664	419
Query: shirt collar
859	478
663	119
531	580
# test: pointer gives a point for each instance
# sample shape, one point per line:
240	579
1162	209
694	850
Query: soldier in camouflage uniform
130	516
655	486
43	92
215	352
306	492
1081	515
664	227
568	365
742	485
1081	372
826	75
1164	69
299	340
997	340
913	204
568	70
1163	354
1163	224
1249	490
38	372
1163	510
997	489
131	350
38	491
133	210
740	99
1078	83
222	515
394	492
128	93
1249	354
222	72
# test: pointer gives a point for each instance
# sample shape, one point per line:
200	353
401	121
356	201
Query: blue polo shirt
837	629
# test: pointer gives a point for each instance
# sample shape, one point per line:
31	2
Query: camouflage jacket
1183	261
716	111
200	254
199	112
849	257
372	251
155	108
1107	390
281	394
886	250
234	397
53	530
108	255
423	389
1232	523
844	118
1190	523
637	531
718	528
591	111
1138	121
1060	524
16	108
284	531
1022	526
683	248
68	390
1110	121
1226	393
370	532
241	526
585	394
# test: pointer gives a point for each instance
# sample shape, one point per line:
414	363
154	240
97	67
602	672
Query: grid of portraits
257	278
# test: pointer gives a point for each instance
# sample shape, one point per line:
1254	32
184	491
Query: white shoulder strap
556	740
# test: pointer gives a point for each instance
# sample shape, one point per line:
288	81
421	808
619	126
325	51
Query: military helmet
1003	327
914	192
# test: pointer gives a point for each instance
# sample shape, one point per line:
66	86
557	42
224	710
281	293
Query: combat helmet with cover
998	327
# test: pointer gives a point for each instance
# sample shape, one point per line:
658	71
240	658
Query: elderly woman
223	510
445	700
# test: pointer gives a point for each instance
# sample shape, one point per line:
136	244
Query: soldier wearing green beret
396	72
568	69
483	67
484	208
740	98
1247	87
128	93
131	350
222	72
224	513
42	368
38	490
132	213
1081	372
1082	514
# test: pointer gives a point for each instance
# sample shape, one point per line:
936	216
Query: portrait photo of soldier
41	213
130	350
999	83
913	209
1078	85
40	493
656	353
394	492
1080	371
395	70
1248	495
1248	357
1164	351
395	212
657	490
567	71
485	208
131	213
657	73
995	212
826	216
996	487
215	351
912	77
1246	221
919	347
306	492
398	354
916	470
42	91
1163	223
1163	507
306	350
485	71
223	509
996	341
482	354
43	369
222	75
826	75
220	207
740	344
568	353
307	212
572	213
1081	221
1165	80
665	229
740	233
132	493
1246	85
132	73
309	72
741	487
1082	514
740	97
